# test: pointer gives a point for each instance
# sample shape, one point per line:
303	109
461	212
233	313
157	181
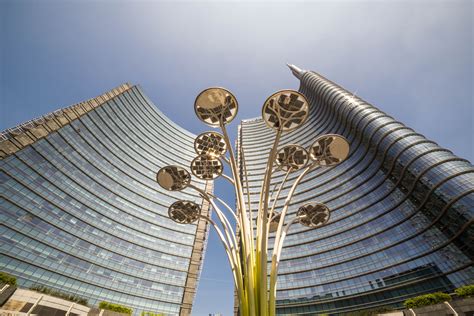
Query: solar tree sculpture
247	246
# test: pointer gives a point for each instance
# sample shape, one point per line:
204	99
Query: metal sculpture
173	178
184	212
247	247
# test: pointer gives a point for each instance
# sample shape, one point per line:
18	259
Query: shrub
151	314
427	299
65	296
6	278
115	307
465	291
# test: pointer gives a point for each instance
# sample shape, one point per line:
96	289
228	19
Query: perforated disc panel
210	144
313	214
285	110
291	156
329	150
173	178
184	212
216	105
206	167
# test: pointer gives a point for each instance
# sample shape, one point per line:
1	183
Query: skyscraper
402	209
81	211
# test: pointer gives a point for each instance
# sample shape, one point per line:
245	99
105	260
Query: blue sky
412	59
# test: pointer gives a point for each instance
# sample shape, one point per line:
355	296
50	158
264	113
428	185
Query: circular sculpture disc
210	144
291	156
329	150
216	105
206	167
274	223
184	212
313	214
285	110
173	178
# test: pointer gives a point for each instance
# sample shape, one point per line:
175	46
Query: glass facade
81	211
401	209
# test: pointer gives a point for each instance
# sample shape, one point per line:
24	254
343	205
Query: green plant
55	293
115	307
151	314
6	278
465	291
427	299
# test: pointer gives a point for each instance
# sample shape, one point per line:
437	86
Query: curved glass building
81	211
402	209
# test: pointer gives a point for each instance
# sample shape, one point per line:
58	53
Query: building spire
297	72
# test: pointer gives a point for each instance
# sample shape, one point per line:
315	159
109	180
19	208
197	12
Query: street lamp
247	246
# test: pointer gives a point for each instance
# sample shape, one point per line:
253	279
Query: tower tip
297	72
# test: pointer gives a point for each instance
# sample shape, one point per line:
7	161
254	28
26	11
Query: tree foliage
6	278
115	307
465	291
427	299
59	294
